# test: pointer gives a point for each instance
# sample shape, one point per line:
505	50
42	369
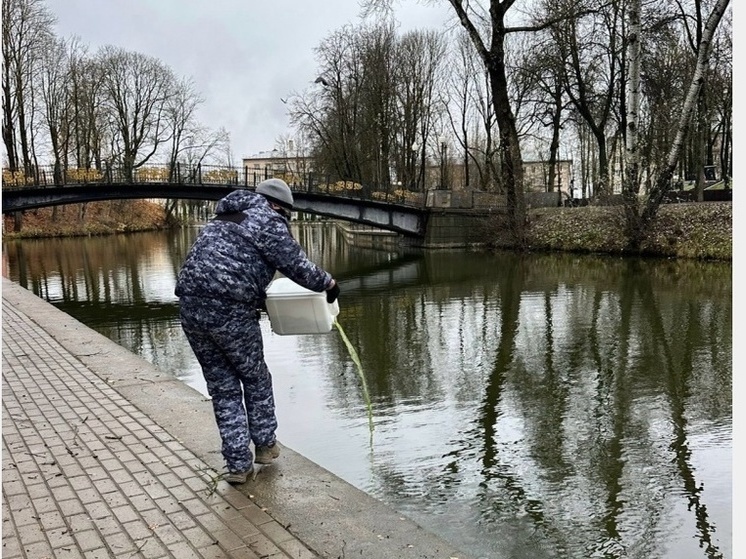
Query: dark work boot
267	454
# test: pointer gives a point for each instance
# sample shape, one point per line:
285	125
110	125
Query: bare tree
417	68
137	88
721	96
61	104
540	73
692	25
458	95
588	39
471	116
339	97
9	98
89	127
180	121
27	27
54	92
306	111
487	27
369	115
492	53
376	107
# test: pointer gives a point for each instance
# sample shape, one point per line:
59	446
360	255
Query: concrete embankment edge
329	515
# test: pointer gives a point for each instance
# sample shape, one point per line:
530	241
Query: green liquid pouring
356	360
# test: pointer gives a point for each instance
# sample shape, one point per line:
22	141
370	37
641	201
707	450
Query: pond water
524	406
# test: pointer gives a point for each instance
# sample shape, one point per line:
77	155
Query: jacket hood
238	201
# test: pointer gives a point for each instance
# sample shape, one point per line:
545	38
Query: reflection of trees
624	354
179	244
678	376
392	326
95	269
596	362
621	351
612	398
496	469
396	361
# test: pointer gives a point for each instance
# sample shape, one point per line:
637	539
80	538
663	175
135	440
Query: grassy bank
700	231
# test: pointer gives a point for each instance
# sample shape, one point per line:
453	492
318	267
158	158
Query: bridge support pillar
444	230
456	229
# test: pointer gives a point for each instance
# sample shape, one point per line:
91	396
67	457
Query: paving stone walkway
85	474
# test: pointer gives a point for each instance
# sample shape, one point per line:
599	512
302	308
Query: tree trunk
631	188
9	138
663	181
700	146
22	126
512	162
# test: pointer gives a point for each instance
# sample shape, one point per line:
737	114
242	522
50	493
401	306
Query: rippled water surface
524	406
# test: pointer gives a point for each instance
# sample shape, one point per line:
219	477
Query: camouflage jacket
236	255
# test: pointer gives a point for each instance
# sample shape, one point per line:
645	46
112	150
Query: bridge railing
207	175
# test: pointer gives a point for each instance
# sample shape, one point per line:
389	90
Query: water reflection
524	405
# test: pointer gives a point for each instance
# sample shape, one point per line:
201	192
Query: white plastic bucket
294	309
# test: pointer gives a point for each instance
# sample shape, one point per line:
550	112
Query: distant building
293	166
536	176
289	164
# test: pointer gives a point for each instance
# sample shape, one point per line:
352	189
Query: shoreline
700	231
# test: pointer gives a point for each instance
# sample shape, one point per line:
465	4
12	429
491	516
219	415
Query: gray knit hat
277	191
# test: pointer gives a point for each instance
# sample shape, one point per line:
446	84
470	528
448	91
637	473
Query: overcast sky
243	55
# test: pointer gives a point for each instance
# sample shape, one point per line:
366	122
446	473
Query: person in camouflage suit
221	285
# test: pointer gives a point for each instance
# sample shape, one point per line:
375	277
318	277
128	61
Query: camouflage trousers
227	340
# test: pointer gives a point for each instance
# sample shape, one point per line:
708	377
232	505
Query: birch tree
632	180
641	216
